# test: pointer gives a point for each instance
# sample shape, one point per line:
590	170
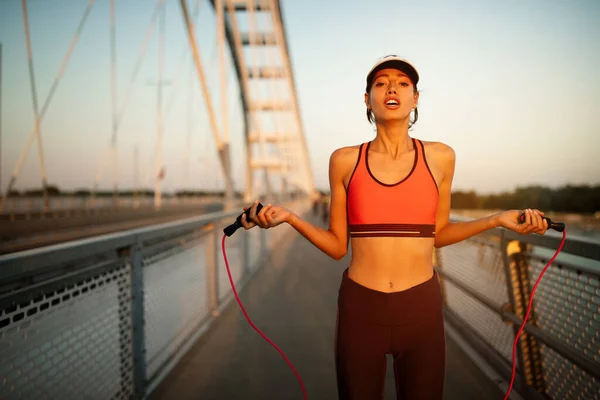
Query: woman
391	196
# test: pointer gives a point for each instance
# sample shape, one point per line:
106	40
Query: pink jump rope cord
252	324
514	350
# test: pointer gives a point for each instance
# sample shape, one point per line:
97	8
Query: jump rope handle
230	230
557	226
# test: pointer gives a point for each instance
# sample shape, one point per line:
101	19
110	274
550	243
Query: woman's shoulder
345	153
344	157
438	150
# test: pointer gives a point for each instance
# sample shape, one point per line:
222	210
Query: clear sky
511	85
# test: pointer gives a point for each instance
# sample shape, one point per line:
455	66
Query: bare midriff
391	264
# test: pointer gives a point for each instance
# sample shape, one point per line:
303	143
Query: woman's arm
332	241
449	233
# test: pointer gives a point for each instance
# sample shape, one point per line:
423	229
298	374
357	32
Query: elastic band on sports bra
392	230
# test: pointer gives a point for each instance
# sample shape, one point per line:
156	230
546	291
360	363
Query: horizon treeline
570	198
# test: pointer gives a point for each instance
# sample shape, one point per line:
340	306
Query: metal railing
487	282
20	208
108	317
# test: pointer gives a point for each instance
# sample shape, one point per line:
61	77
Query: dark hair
371	117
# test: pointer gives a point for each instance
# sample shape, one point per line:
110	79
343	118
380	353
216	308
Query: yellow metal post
519	289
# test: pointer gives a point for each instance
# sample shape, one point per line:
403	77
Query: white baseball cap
396	63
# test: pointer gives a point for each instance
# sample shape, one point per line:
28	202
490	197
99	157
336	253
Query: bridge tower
276	150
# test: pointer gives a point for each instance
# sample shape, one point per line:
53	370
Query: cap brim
396	63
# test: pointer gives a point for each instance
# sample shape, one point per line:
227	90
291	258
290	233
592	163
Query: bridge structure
145	308
251	48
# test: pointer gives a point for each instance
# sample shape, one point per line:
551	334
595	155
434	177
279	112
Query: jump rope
230	230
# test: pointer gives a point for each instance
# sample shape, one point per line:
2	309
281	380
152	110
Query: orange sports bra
404	209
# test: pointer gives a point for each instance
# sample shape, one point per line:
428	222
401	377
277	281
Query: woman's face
392	95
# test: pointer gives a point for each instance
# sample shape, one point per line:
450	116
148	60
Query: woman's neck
392	139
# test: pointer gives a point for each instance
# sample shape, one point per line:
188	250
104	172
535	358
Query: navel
391	285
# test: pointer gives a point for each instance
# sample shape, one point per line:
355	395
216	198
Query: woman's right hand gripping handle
268	216
271	216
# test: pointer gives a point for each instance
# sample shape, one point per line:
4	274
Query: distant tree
464	200
575	199
569	198
82	192
53	190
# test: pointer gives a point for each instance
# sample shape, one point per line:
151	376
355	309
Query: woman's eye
404	84
379	84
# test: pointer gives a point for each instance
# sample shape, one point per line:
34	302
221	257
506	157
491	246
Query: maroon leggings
408	325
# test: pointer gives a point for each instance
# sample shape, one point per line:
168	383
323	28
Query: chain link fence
487	281
108	317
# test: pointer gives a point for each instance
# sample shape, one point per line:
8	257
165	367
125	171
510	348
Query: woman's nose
391	89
